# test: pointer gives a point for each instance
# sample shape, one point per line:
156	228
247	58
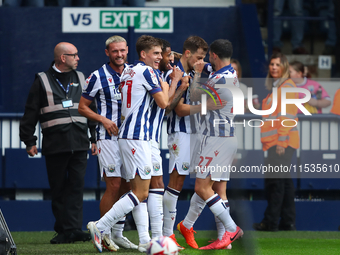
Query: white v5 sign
144	20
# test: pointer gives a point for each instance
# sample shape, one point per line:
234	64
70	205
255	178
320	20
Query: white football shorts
136	158
216	158
109	159
180	152
157	169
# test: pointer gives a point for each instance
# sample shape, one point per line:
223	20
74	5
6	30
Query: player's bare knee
113	184
157	182
176	181
199	190
142	195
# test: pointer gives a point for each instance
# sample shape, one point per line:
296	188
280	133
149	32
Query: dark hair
146	42
298	66
222	48
165	44
193	43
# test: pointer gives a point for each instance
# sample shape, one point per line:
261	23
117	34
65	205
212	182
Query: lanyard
61	85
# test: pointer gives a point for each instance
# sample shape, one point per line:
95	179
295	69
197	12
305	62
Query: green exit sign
157	20
143	21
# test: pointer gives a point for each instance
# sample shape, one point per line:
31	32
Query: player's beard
116	63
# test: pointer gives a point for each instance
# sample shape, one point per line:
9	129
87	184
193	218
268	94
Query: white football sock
169	208
219	224
215	204
197	204
122	207
141	217
117	229
155	209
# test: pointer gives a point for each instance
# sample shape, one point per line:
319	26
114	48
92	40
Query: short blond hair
114	39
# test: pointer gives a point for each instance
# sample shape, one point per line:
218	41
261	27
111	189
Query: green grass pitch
266	243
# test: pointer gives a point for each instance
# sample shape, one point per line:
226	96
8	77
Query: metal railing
317	132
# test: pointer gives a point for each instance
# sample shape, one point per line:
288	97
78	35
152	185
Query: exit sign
144	20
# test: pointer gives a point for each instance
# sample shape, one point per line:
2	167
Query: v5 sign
117	20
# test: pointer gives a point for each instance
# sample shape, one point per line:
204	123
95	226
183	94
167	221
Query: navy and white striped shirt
226	75
102	85
156	119
138	84
186	124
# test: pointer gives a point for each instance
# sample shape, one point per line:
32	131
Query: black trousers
66	173
280	191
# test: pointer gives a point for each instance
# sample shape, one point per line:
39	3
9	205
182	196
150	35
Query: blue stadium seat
1	174
247	158
23	171
91	176
320	181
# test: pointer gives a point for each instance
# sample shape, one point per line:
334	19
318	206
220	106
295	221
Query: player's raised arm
162	97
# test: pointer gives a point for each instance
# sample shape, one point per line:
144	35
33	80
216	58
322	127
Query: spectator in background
17	3
69	3
336	103
297	26
87	3
319	96
237	67
337	25
326	9
281	143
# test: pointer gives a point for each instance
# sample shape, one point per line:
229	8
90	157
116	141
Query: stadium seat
91	176
247	158
320	181
23	171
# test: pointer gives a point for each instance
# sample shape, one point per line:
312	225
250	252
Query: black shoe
289	227
58	238
264	227
77	235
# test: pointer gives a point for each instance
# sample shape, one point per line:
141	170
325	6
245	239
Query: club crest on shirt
111	168
153	76
156	166
147	170
185	165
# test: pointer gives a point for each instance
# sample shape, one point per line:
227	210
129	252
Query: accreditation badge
67	103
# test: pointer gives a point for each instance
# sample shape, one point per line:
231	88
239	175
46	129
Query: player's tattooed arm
173	101
195	92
